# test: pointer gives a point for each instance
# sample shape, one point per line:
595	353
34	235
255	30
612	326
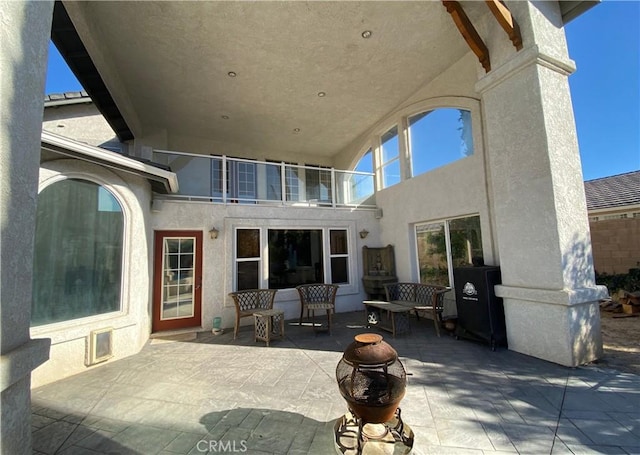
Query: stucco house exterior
613	204
255	142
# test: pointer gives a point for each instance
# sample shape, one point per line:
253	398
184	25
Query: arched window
78	252
361	185
390	157
438	137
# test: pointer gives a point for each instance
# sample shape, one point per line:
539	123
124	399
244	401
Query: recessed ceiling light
231	74
296	130
366	34
225	117
322	94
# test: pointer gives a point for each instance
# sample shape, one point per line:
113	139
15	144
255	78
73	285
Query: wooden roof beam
506	21
468	32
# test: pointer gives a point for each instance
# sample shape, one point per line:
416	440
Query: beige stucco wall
524	150
218	254
132	324
81	122
24	37
454	190
616	245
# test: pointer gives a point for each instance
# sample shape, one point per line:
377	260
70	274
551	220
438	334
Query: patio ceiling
166	66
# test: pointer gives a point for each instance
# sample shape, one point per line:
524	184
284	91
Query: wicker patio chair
319	296
250	301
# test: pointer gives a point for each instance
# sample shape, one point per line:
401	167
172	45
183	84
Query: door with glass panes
177	285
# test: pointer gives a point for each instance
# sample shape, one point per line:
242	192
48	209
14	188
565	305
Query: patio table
398	315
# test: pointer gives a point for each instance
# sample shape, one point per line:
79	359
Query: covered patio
289	93
211	394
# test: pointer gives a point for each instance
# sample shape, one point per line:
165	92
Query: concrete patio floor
216	395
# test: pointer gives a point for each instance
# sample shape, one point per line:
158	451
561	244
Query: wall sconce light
364	233
213	232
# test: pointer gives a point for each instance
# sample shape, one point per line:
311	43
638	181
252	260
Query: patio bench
418	297
251	301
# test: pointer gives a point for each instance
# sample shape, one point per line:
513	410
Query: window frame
233	177
400	119
449	257
393	160
257	259
411	153
263	282
338	255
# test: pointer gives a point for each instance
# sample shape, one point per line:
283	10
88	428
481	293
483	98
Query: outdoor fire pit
372	380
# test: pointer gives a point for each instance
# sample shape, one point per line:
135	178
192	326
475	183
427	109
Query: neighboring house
457	117
614	219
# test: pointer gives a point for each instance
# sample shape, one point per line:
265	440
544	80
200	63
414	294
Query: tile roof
614	191
66	96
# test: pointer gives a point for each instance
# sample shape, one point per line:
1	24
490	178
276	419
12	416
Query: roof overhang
284	79
570	9
162	181
70	46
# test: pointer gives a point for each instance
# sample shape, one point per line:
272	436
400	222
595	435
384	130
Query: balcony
224	180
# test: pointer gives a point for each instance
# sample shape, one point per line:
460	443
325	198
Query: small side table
269	324
399	315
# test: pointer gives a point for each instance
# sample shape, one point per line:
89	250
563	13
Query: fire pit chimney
372	380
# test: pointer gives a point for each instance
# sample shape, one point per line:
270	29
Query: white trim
531	55
69	147
286	294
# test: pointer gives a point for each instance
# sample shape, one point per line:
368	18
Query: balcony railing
240	181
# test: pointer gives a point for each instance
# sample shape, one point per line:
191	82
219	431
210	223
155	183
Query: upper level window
77	270
390	156
240	180
365	164
318	183
361	186
439	137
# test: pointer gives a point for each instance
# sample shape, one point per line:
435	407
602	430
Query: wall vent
99	346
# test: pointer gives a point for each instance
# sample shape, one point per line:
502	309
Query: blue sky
605	45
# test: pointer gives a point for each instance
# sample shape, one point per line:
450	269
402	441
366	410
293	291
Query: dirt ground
621	340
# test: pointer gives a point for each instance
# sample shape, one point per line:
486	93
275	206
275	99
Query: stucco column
540	214
24	38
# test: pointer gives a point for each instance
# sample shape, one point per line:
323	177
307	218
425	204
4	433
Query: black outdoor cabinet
480	312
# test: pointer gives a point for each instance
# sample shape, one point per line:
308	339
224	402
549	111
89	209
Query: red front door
177	283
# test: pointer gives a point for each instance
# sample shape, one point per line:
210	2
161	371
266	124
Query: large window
293	256
78	252
447	244
390	155
439	137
